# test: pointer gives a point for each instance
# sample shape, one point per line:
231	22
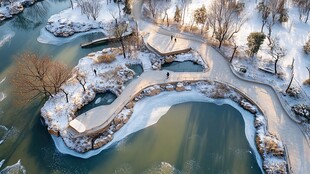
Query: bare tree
91	8
57	75
177	14
269	26
153	7
166	15
118	30
71	2
292	77
184	5
224	20
265	11
235	47
277	52
36	77
81	78
133	42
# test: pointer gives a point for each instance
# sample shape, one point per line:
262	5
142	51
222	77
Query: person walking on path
171	37
95	71
175	39
168	75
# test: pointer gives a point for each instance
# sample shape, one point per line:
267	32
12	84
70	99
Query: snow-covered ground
57	112
7	9
48	38
71	21
292	35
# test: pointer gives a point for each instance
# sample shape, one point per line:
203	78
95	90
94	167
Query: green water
191	137
186	66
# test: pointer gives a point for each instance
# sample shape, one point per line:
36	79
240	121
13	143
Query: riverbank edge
260	126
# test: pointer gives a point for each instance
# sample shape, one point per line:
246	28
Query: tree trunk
71	4
67	99
167	19
275	66
289	85
203	26
123	47
221	42
307	16
262	29
119	9
233	54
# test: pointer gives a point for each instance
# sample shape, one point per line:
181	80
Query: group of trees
91	8
36	77
224	19
272	11
303	8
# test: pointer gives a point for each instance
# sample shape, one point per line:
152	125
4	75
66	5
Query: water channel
191	138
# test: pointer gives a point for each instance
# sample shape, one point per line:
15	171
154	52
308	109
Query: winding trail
279	122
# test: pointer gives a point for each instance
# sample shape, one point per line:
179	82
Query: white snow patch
98	100
15	168
2	96
1	162
5	37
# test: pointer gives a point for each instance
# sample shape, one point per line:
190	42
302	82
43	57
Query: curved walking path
278	120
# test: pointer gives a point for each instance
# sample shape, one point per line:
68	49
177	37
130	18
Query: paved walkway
278	120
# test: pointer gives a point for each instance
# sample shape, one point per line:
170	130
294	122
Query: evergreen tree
255	40
200	16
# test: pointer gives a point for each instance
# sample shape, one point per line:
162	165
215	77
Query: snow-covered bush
307	82
106	58
283	16
302	110
293	92
307	47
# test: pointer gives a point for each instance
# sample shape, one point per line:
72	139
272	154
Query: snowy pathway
278	120
98	118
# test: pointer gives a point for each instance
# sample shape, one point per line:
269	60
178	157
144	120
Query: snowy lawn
71	21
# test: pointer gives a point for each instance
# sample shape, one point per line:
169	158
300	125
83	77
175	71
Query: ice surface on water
124	169
6	36
15	168
162	168
48	38
2	94
3	133
98	100
1	162
6	133
2	80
